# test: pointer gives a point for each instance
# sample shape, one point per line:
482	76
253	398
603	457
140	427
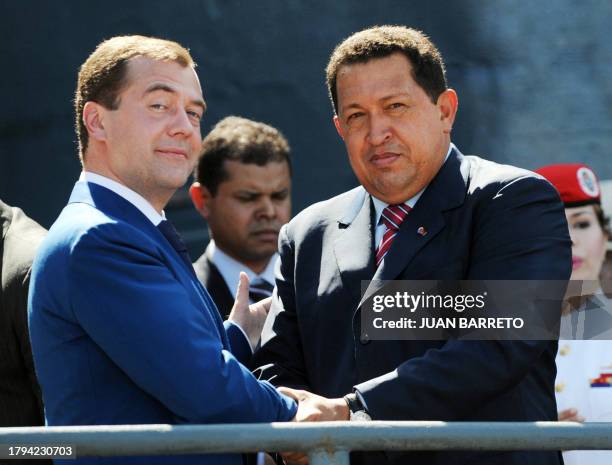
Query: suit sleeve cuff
361	399
374	396
239	341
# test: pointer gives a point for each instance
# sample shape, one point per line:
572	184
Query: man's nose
182	124
379	130
267	208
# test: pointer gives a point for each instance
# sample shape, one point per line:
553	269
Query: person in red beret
584	367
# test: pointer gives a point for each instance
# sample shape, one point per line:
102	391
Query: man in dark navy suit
423	211
243	189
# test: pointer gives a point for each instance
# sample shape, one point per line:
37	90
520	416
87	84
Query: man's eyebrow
247	192
166	88
199	103
154	87
395	95
350	107
382	99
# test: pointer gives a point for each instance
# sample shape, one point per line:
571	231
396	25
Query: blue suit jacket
123	333
483	221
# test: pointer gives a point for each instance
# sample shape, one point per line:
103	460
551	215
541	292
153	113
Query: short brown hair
102	76
242	140
381	41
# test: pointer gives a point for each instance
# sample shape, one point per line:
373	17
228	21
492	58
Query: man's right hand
312	407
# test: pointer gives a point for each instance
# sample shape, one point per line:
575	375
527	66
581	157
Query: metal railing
325	443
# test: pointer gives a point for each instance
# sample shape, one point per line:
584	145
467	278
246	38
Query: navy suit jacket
211	278
123	333
483	221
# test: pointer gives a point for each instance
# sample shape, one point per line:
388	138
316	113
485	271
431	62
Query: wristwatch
357	411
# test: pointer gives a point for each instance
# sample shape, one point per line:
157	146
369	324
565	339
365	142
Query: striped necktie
260	289
392	217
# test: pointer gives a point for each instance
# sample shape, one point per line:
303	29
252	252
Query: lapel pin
422	231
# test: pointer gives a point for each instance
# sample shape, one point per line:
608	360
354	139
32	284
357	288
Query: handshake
251	319
312	407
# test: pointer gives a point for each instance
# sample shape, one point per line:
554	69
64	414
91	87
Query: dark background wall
532	77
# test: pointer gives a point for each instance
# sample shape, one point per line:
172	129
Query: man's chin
394	190
174	181
263	250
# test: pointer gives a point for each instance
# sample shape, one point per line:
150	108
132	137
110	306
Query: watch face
360	415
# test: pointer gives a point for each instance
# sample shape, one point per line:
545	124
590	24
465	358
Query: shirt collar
379	205
128	194
230	268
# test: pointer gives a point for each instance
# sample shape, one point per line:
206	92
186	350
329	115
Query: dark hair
238	139
603	220
381	41
102	76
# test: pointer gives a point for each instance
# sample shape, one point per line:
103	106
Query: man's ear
448	102
200	196
338	127
93	118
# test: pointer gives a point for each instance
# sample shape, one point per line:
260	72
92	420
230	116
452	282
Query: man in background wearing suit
423	211
243	189
20	399
122	331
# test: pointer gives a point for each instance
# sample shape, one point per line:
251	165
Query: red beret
577	183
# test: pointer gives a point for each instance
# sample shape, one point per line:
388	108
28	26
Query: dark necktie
176	242
260	289
392	217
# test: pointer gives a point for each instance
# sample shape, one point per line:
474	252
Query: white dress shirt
230	268
128	194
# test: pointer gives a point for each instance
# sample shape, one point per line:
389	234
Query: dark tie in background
176	242
260	289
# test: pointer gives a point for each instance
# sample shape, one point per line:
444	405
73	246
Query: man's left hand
250	318
312	407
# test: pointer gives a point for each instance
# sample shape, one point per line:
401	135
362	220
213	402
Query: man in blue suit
423	211
122	331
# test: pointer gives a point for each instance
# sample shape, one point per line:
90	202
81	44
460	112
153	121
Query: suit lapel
116	206
211	278
425	221
353	247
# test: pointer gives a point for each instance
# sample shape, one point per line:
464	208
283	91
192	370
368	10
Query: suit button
364	339
564	350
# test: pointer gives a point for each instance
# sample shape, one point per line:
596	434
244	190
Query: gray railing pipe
327	442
